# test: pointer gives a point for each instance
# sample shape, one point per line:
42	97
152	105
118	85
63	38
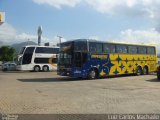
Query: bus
37	58
92	59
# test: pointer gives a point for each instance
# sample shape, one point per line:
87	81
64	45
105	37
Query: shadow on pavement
65	79
153	80
15	72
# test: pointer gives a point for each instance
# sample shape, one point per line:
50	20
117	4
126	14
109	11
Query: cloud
24	36
58	3
147	7
9	35
147	37
130	8
150	36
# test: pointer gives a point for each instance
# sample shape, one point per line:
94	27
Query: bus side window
150	50
95	47
92	47
142	50
108	48
121	49
112	48
54	60
132	49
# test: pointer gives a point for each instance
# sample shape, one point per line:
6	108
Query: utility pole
60	40
39	32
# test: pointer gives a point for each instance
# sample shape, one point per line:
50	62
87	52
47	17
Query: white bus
37	58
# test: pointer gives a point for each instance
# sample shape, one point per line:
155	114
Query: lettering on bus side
100	56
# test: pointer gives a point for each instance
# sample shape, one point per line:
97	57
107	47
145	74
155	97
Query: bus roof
41	46
92	40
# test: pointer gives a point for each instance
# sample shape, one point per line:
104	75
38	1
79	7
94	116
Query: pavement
48	93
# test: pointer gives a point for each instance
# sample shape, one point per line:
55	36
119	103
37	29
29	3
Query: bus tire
145	70
36	68
45	68
92	74
139	71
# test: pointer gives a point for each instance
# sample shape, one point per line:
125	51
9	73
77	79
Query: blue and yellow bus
92	59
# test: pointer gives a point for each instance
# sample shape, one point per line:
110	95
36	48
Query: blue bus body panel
100	62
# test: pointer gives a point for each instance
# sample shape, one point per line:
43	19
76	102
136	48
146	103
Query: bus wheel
45	68
145	70
92	74
139	71
36	68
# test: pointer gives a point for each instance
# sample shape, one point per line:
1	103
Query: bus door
80	58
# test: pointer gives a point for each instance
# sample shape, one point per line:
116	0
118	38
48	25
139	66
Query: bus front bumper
71	73
64	72
22	68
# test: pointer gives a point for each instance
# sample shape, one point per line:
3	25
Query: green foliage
7	53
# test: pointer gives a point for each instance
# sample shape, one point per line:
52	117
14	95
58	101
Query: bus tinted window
54	60
108	48
44	60
46	50
39	50
55	50
95	47
29	50
150	50
142	50
27	57
132	49
80	46
99	48
121	49
22	50
41	60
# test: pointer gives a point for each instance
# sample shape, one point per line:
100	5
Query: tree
7	53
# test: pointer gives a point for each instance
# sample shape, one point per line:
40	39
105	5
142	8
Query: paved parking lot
29	92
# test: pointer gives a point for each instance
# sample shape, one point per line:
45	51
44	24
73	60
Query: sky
127	21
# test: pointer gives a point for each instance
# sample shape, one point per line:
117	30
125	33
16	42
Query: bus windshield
22	50
66	51
65	58
69	50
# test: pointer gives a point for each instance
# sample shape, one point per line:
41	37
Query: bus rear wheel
45	68
145	70
36	68
92	74
139	71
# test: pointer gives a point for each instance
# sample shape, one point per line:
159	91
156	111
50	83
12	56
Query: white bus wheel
36	68
45	68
